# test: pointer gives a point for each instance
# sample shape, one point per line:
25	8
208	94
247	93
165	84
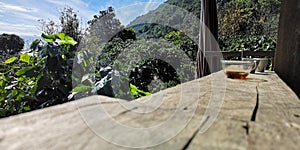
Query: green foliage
251	43
242	23
146	64
151	66
10	45
25	58
129	62
184	42
106	36
81	88
19	82
36	79
48	27
69	25
82	77
104	26
248	25
135	92
192	6
59	38
10	60
171	16
151	30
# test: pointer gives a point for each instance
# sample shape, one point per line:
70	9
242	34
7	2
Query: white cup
260	64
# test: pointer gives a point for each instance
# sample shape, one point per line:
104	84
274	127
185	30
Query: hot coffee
236	75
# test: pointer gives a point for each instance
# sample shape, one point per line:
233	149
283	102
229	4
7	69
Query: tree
10	44
241	19
106	36
248	24
104	26
48	27
184	42
69	24
30	82
104	40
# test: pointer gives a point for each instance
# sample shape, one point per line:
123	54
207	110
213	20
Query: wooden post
287	57
209	18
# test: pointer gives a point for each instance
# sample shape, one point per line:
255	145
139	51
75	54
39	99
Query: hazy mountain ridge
172	15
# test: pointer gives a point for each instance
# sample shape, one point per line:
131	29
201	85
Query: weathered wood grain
230	130
277	125
258	113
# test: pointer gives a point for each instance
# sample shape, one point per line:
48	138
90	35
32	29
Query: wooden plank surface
230	131
258	113
278	120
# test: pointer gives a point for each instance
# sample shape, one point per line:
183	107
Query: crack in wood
194	134
190	140
254	114
247	128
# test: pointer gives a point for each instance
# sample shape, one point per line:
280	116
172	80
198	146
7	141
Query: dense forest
154	52
253	22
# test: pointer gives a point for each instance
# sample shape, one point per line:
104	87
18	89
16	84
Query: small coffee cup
235	69
260	64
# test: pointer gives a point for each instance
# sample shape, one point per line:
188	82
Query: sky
21	16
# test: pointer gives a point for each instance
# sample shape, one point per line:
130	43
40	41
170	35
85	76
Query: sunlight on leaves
10	60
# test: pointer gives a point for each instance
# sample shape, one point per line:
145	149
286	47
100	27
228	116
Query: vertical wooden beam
287	57
209	18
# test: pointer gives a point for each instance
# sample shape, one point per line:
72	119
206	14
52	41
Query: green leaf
71	42
25	58
63	57
35	44
21	79
23	70
48	38
137	92
60	36
68	38
2	83
3	112
14	93
33	89
81	88
26	108
66	42
20	96
10	60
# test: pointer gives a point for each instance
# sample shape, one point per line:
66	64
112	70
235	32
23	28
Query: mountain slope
182	15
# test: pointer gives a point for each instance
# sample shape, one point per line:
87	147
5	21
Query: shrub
39	78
